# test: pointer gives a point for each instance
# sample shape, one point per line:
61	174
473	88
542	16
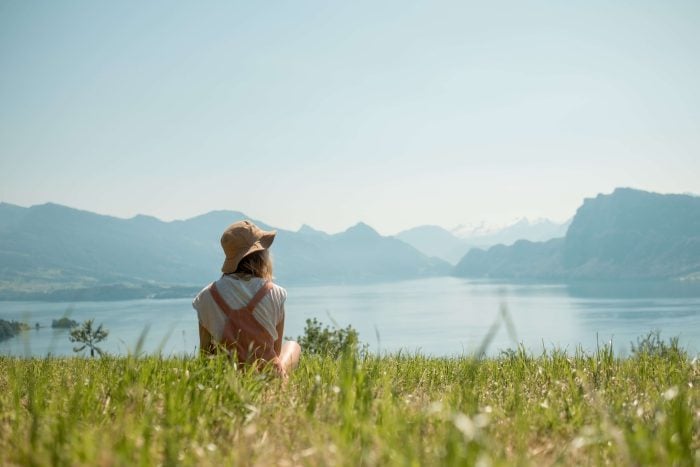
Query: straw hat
241	239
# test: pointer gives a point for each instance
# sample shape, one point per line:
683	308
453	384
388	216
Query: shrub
653	345
319	339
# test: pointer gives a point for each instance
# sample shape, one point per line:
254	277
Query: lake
443	316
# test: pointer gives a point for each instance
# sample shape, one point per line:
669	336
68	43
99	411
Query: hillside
451	246
634	234
522	260
51	247
629	234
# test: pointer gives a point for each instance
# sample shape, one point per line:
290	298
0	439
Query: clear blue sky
394	113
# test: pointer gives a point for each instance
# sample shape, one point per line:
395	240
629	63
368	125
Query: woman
243	312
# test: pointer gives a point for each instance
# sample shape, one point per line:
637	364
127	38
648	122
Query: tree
88	337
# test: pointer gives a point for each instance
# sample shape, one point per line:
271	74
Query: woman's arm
280	334
206	344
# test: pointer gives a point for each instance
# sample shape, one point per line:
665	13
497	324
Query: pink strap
226	308
267	286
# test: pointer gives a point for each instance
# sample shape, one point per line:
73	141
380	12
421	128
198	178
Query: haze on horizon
394	113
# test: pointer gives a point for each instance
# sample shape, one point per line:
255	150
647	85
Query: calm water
441	316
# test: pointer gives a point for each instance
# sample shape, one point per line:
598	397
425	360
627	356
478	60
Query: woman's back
237	293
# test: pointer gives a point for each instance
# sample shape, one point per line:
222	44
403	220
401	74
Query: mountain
629	234
359	254
48	248
452	245
522	260
435	241
56	244
308	230
484	236
635	234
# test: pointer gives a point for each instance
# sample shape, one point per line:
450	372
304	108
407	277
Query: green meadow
401	409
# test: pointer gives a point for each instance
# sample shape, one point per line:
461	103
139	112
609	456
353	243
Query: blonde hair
257	264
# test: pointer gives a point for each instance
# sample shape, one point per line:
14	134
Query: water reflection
622	312
635	290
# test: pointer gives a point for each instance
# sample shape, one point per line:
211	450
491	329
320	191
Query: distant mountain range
453	245
52	251
629	234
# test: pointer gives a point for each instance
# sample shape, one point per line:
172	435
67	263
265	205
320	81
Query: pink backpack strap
221	303
267	286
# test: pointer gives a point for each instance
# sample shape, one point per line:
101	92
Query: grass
390	410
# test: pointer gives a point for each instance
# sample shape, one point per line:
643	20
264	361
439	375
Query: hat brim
231	264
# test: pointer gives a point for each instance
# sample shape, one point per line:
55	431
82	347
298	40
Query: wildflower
483	461
482	420
671	393
307	452
464	424
578	442
252	412
434	408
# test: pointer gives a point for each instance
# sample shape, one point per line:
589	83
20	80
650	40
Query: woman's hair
257	264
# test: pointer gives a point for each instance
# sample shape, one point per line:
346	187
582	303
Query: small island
63	323
10	329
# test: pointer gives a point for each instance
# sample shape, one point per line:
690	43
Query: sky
394	113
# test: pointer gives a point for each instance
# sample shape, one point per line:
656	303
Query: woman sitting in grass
242	313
